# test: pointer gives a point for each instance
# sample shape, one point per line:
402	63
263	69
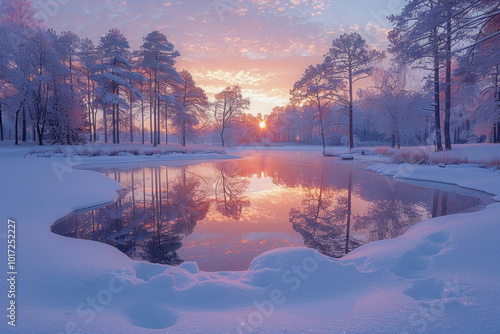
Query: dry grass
427	156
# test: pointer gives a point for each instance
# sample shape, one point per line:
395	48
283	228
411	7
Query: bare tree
228	105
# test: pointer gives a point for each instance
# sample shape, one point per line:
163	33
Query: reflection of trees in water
229	190
325	219
387	219
150	217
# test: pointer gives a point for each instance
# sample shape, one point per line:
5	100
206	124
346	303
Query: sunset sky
264	46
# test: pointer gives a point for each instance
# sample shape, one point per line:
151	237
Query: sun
262	125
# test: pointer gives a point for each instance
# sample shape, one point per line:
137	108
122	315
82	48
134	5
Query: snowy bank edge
470	177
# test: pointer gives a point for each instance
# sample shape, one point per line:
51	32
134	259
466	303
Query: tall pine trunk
16	125
89	109
437	115
113	123
24	124
155	123
118	123
105	122
131	121
184	133
166	123
447	112
142	113
351	125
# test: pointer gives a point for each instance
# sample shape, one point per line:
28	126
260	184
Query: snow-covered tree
115	74
317	90
350	60
479	73
394	109
436	30
158	58
228	105
192	104
87	55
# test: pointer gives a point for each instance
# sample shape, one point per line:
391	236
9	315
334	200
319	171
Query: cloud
263	45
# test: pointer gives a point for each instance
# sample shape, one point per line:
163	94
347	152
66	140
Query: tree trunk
113	123
158	111
118	123
131	125
94	113
40	134
184	133
142	114
89	109
105	121
151	108
16	126
155	123
437	116
447	113
351	126
24	124
166	123
323	139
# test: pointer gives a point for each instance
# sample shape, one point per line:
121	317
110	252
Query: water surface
222	214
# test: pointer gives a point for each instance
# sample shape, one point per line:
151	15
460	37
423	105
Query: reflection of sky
278	182
262	45
263	226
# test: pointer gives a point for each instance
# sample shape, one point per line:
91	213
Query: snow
463	175
439	277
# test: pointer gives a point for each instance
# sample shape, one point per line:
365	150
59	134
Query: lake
224	213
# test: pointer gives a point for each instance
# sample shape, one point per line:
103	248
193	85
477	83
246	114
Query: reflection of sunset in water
223	214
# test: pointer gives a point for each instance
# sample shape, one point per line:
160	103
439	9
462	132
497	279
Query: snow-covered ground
439	277
486	154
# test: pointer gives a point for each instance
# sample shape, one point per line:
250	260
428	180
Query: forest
436	84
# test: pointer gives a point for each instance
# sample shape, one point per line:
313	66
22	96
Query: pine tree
115	73
158	58
349	60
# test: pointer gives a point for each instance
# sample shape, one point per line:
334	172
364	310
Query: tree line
455	43
63	89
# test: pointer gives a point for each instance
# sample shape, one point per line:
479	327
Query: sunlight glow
262	125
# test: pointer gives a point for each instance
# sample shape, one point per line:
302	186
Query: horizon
217	41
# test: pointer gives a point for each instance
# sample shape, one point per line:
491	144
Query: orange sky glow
264	46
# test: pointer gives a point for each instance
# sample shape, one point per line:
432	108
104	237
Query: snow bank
487	154
467	176
439	277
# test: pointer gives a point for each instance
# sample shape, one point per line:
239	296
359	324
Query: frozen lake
222	214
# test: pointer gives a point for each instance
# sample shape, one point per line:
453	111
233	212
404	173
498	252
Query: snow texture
439	277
